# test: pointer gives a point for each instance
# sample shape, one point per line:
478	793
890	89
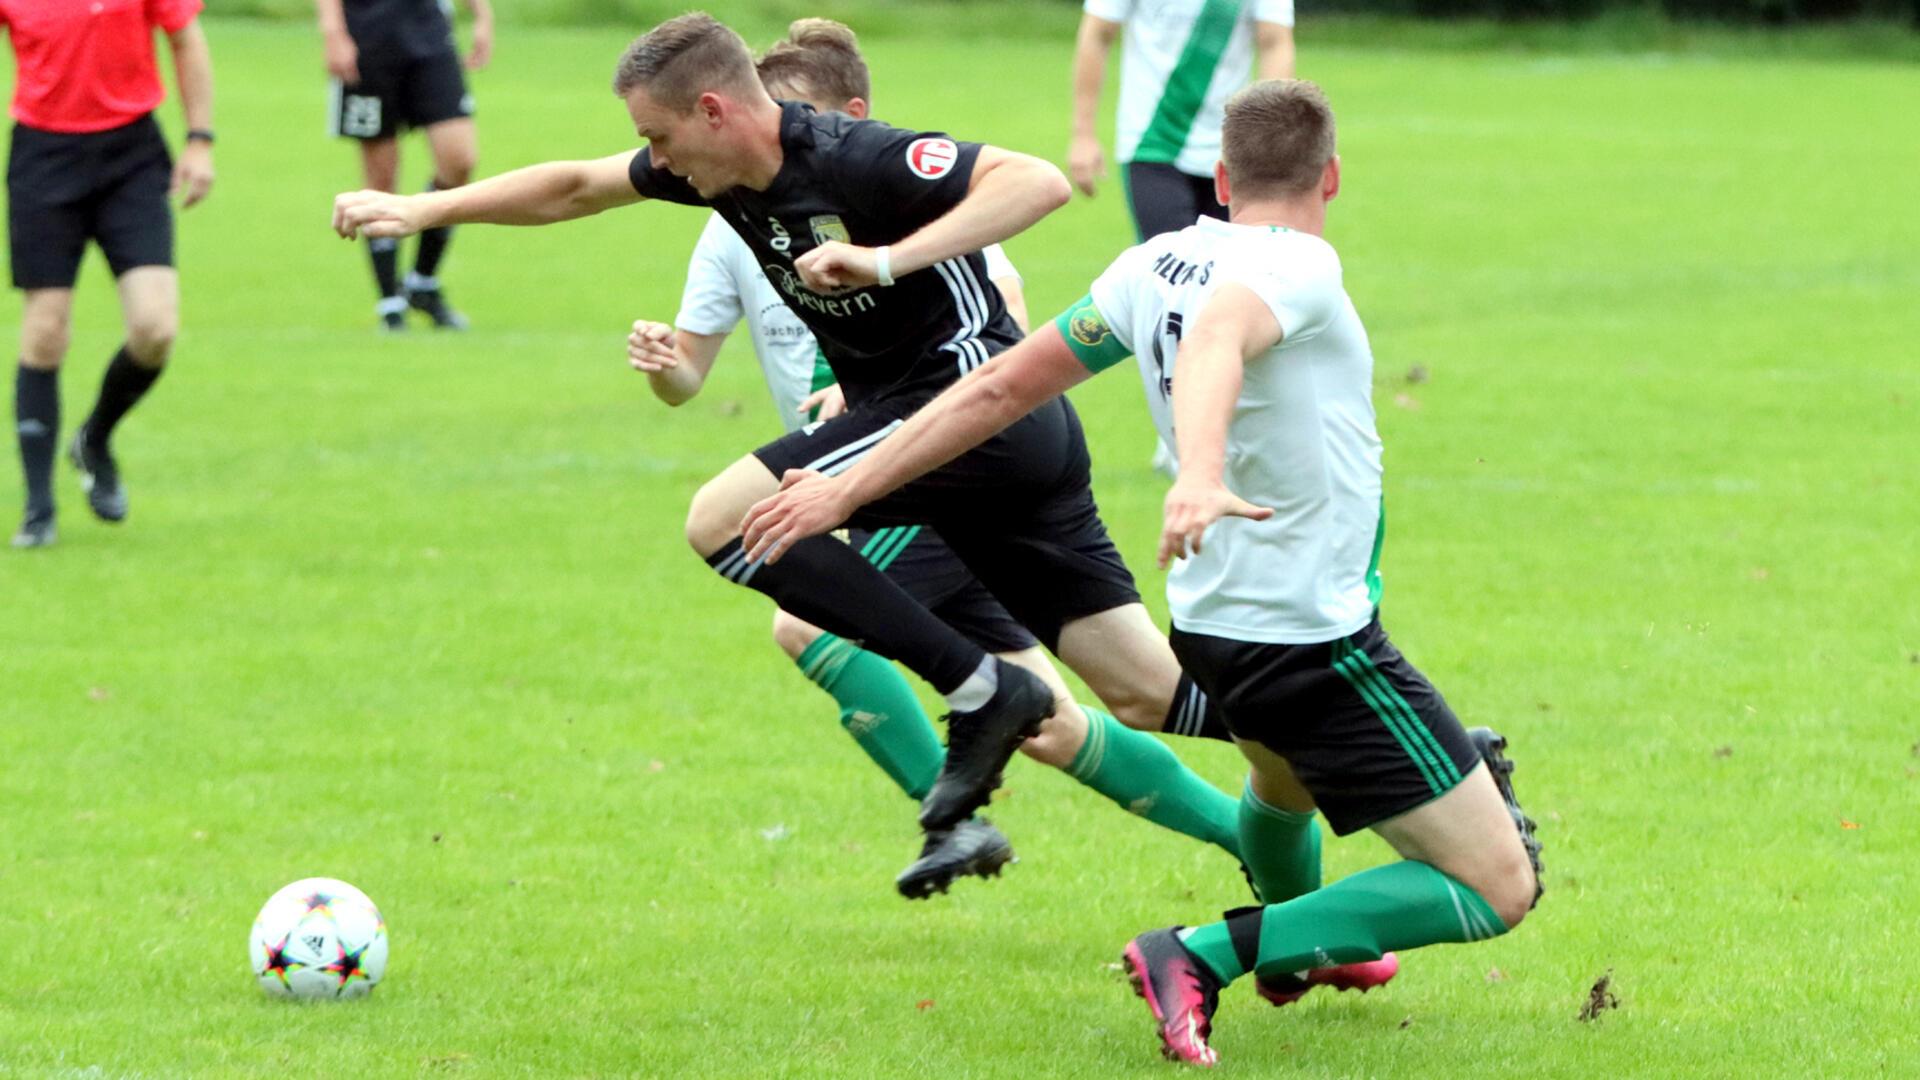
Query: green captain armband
1087	334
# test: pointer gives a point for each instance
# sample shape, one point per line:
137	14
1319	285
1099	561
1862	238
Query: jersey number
1165	345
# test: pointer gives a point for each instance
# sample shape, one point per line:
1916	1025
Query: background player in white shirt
1181	61
1257	367
819	63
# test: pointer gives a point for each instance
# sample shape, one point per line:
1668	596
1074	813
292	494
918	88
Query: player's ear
857	108
1330	179
1222	187
711	108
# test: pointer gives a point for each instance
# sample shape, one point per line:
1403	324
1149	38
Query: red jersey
87	65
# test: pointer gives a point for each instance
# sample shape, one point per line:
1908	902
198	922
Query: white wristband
883	264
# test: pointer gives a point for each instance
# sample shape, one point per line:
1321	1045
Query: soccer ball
318	938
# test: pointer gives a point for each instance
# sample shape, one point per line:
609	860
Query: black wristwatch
200	135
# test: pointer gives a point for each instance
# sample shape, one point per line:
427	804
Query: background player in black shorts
88	163
899	313
395	65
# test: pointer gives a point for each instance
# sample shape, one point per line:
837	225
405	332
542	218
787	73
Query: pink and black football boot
1181	992
1364	976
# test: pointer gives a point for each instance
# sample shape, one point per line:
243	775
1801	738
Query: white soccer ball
318	938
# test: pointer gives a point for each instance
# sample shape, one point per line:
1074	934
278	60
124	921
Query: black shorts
64	189
399	91
918	561
1017	510
1164	199
1366	733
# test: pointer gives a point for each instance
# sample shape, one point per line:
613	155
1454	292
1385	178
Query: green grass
416	613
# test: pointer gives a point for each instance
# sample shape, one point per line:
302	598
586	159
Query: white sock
417	282
391	305
978	689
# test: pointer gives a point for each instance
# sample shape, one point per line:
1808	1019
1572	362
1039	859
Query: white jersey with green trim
725	284
1181	61
1302	441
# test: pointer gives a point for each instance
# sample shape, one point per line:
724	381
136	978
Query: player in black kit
395	65
872	234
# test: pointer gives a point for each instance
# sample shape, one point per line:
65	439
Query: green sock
1402	905
1281	849
879	710
1137	771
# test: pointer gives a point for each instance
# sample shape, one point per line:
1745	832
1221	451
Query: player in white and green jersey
1257	368
820	64
1181	61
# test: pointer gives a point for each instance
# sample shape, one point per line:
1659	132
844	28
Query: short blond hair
820	59
1277	138
683	58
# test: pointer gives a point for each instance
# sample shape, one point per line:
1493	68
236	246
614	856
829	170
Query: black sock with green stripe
879	710
828	584
1402	905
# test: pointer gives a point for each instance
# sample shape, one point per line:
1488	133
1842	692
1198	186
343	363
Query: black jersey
400	28
867	183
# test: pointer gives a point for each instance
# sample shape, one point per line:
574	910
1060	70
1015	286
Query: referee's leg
45	329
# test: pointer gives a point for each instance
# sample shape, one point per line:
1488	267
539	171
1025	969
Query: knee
43	343
712	519
454	170
454	157
150	338
1510	888
1137	708
794	636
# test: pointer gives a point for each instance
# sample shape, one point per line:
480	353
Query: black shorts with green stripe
917	560
1366	733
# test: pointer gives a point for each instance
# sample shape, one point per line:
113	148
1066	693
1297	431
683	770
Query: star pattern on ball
319	901
279	964
346	967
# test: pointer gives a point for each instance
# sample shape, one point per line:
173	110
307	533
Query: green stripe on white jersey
1181	60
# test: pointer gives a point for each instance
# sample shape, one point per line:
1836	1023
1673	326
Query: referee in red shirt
88	163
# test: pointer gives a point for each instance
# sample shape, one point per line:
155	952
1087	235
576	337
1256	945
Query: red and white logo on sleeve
931	159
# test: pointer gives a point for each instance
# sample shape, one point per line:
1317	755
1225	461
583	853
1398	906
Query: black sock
1194	714
433	246
385	252
124	385
828	584
36	418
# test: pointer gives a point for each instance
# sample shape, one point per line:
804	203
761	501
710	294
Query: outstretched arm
983	403
1234	326
1007	193
675	362
536	195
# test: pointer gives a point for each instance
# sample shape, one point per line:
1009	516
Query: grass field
416	613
